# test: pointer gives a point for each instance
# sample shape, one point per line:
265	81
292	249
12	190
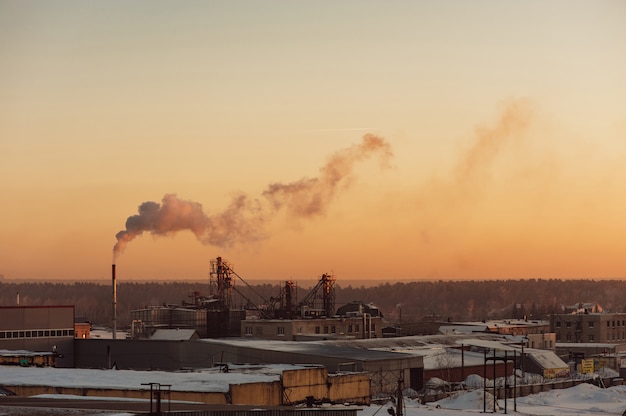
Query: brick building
589	327
313	328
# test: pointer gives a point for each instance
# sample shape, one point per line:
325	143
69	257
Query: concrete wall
353	388
385	374
256	394
458	374
296	386
299	384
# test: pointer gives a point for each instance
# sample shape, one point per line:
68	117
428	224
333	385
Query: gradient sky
507	123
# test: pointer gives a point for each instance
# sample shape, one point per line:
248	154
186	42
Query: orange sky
417	141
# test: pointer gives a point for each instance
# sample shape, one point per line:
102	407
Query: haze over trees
405	301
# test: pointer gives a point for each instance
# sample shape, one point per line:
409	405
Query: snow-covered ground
584	399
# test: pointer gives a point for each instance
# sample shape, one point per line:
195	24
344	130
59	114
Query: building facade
47	329
545	341
208	322
589	327
358	327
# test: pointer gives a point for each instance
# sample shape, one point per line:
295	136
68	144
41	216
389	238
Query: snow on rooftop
546	358
207	380
22	353
483	343
173	334
584	399
315	348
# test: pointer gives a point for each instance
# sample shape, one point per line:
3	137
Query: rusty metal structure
220	313
320	301
220	282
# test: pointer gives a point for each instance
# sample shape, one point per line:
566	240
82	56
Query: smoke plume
244	219
309	197
477	161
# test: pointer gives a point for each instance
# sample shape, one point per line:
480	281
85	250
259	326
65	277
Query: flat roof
317	348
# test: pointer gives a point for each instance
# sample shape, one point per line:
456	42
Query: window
569	337
28	334
299	330
333	329
356	328
317	329
350	328
590	324
280	330
248	330
558	324
40	333
569	324
325	329
46	333
2	334
591	338
608	324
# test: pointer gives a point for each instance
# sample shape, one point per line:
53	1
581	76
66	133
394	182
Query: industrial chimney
114	285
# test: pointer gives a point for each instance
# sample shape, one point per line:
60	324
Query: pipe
114	285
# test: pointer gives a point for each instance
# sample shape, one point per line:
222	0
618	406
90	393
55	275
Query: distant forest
408	301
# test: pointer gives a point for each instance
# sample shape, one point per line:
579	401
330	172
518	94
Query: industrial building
281	318
589	327
383	367
39	329
356	327
212	316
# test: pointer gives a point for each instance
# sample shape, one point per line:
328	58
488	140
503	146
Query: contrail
244	219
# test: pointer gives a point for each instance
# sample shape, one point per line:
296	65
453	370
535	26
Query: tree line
405	301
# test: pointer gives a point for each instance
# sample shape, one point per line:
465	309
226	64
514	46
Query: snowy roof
206	380
546	359
317	348
483	343
451	358
462	329
173	334
22	353
586	345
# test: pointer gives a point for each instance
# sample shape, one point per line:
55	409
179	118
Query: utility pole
400	403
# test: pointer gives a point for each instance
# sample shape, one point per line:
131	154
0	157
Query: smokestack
114	284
